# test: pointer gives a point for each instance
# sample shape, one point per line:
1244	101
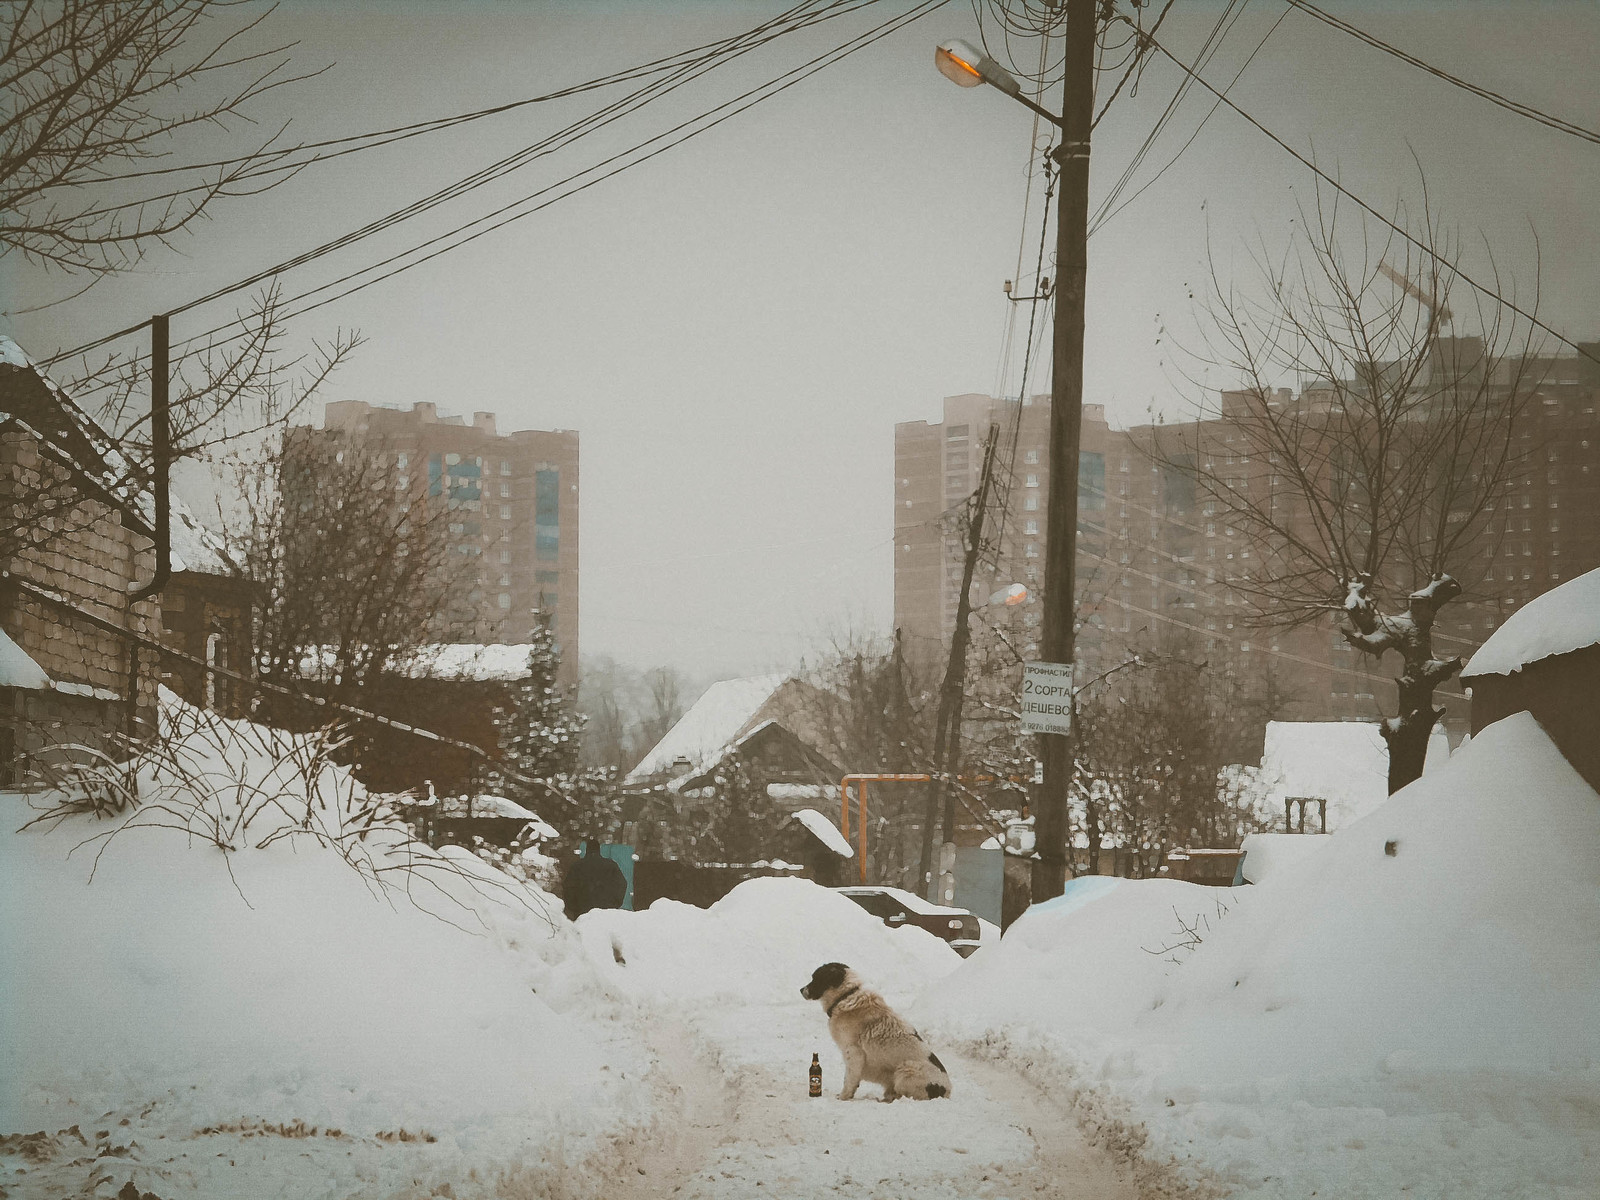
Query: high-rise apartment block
516	496
1156	557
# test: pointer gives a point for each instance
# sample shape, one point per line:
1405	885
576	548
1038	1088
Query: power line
1373	212
1493	97
1108	215
564	137
403	132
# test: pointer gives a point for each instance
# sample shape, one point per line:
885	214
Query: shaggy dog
877	1044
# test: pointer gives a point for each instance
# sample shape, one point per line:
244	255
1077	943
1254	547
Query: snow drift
758	944
290	983
1415	1007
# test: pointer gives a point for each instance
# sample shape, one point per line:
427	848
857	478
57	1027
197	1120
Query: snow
799	793
17	669
1345	763
1424	1022
759	943
474	661
194	547
1268	854
1562	620
825	831
479	806
206	1009
713	721
914	903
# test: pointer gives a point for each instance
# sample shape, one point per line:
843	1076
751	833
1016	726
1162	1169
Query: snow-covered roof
1564	619
1345	763
473	661
194	547
713	721
67	434
16	668
825	831
487	805
799	793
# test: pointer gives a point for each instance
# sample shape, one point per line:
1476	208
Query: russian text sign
1046	697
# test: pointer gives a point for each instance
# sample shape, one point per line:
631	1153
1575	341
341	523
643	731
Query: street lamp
968	67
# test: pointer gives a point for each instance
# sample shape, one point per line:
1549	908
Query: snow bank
1086	964
1415	1008
201	994
1268	854
1562	620
759	944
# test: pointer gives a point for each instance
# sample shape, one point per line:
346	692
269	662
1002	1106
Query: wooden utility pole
952	695
1066	421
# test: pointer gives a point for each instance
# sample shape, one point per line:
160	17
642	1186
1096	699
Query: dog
878	1045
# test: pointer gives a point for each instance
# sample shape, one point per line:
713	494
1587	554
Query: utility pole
952	695
1066	423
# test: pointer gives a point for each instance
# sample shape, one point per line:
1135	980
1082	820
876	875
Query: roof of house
726	710
196	548
1564	619
18	670
31	399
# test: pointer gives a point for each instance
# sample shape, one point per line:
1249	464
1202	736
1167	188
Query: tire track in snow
741	1128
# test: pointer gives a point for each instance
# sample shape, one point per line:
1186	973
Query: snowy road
734	1080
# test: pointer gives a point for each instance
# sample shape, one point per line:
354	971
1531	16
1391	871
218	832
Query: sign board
1046	697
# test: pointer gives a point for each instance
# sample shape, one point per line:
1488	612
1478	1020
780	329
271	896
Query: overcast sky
736	326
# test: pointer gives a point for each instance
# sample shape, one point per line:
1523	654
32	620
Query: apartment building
517	498
1155	556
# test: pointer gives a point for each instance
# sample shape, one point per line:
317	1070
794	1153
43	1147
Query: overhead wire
1334	183
433	124
1213	42
1108	215
1515	106
794	18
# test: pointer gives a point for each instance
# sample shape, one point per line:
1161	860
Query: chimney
427	412
484	421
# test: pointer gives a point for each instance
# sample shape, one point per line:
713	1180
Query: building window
505	556
546	514
505	467
956	431
1032	456
402	460
504	601
1031	504
1032	550
1032	527
1033	481
505	512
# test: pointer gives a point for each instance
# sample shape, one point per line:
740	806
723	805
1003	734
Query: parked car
955	925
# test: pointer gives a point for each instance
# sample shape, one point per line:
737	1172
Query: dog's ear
828	975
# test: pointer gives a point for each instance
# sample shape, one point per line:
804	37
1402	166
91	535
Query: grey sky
736	326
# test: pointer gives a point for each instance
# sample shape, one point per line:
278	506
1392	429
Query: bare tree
1365	494
92	90
356	570
1153	742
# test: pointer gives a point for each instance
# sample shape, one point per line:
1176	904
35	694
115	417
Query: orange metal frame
861	782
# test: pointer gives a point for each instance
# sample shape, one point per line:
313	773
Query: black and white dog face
823	980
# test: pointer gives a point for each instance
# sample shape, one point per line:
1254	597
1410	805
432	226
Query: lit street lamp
968	67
